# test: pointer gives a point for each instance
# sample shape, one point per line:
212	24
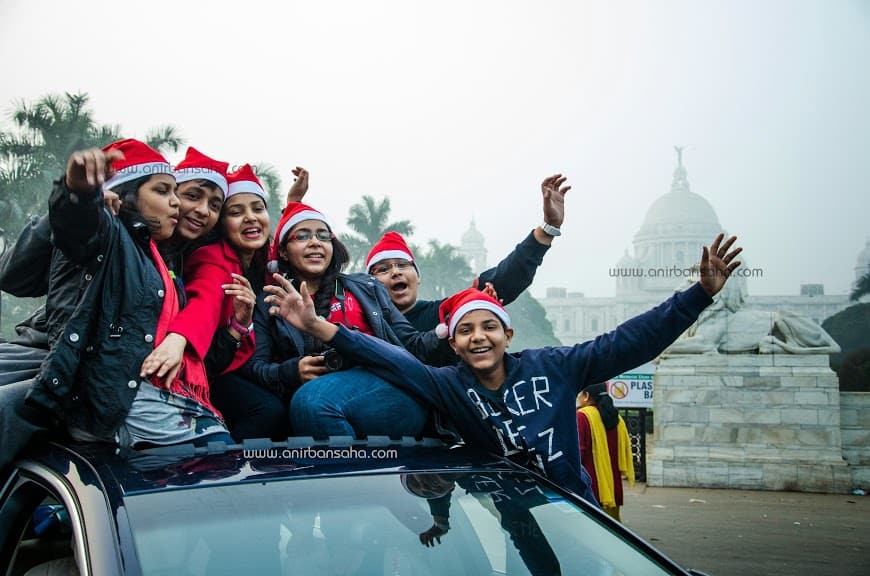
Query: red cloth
208	308
585	434
191	381
352	317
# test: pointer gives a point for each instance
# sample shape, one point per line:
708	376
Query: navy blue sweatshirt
532	415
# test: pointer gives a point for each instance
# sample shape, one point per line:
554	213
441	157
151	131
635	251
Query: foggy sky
459	109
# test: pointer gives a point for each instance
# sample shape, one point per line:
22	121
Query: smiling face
200	206
158	205
401	280
480	340
245	224
309	258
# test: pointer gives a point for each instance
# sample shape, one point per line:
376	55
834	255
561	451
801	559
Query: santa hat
197	165
244	181
391	245
139	160
454	308
293	214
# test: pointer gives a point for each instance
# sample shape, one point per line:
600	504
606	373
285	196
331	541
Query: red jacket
208	308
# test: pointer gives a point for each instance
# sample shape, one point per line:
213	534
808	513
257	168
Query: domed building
473	247
664	251
675	229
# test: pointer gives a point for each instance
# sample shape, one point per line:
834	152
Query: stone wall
855	426
755	421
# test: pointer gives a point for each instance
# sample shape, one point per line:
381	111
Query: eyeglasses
381	269
306	235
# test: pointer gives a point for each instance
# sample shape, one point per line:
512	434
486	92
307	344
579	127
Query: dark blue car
375	507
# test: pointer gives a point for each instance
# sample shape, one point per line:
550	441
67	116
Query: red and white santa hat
293	214
197	165
244	181
454	308
391	245
139	160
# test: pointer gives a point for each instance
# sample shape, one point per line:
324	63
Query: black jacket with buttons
91	374
275	363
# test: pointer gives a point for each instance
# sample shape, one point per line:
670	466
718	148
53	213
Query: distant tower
473	248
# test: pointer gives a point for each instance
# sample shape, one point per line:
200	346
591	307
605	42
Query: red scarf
191	381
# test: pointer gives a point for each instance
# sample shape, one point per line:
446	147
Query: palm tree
164	138
369	220
45	134
444	271
862	288
271	181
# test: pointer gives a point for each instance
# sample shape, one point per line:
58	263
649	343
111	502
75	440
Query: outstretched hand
297	308
432	536
294	306
89	169
554	192
243	299
300	185
717	264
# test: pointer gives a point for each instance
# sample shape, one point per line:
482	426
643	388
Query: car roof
127	472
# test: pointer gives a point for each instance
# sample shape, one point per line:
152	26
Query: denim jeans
355	402
249	410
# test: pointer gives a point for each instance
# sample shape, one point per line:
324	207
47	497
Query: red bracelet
234	324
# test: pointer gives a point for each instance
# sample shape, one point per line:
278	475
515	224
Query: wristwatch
550	230
234	324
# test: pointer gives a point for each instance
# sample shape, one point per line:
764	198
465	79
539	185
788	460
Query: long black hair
602	400
326	289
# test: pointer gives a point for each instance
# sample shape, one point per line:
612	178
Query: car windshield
424	524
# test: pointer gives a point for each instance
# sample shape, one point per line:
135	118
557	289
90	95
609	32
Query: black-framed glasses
381	269
306	235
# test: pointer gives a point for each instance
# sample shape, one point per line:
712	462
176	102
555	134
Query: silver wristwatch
550	230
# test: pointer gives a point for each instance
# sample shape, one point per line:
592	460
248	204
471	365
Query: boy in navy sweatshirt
519	405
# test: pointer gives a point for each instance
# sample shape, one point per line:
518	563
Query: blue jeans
354	402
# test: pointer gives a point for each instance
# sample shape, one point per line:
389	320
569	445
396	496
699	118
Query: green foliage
275	198
862	288
531	327
854	372
849	328
369	220
443	271
35	152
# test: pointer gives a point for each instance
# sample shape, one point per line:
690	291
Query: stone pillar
855	426
754	421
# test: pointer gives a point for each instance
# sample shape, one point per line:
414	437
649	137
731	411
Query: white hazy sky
458	109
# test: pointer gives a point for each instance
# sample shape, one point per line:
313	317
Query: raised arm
642	338
76	203
517	271
299	187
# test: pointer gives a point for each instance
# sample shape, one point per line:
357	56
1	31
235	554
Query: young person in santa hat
90	383
392	262
327	400
520	405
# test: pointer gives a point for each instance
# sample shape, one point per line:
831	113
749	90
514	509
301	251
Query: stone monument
746	399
